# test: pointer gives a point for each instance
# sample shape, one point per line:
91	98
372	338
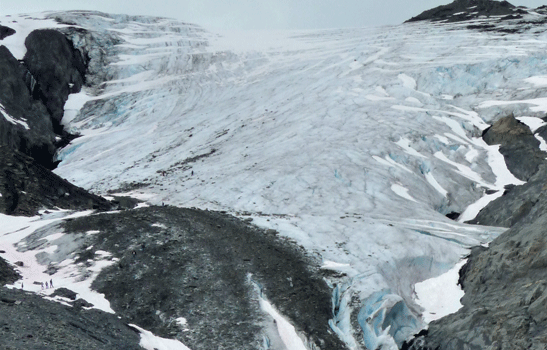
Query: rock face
518	145
26	187
32	96
7	273
463	10
209	269
58	68
25	124
5	32
525	160
27	321
515	204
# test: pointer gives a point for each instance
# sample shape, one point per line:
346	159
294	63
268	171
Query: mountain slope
355	144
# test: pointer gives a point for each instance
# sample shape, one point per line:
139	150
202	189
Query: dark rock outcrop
463	10
209	268
26	187
515	204
7	273
31	108
27	321
65	293
5	32
525	160
27	127
518	145
58	68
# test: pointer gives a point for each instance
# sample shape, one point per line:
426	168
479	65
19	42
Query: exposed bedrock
26	186
527	162
27	321
58	68
31	107
27	127
463	10
7	273
208	269
518	145
515	204
5	32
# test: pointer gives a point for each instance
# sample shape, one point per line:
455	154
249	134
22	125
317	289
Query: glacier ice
316	134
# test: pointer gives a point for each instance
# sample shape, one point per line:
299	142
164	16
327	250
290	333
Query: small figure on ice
47	286
50	283
42	284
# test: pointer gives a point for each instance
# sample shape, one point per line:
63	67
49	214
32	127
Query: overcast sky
253	14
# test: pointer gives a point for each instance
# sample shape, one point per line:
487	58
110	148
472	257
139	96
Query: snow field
12	239
440	296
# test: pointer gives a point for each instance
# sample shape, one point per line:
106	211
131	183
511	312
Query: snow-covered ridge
353	142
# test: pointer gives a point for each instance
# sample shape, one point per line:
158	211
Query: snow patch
440	296
402	192
286	330
408	81
149	341
11	119
429	177
532	122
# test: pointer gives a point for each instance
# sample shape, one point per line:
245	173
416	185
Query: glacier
354	143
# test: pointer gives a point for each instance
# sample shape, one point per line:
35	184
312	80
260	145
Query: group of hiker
48	286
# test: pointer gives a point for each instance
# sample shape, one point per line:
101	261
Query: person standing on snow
50	283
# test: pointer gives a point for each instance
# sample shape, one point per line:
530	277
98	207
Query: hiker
22	287
50	283
46	285
42	284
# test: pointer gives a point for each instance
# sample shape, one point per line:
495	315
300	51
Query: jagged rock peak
462	10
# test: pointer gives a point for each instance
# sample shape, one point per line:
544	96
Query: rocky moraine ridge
215	269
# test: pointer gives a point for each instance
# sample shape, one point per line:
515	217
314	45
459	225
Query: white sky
253	14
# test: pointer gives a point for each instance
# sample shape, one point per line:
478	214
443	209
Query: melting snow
440	296
149	341
533	123
15	229
402	191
